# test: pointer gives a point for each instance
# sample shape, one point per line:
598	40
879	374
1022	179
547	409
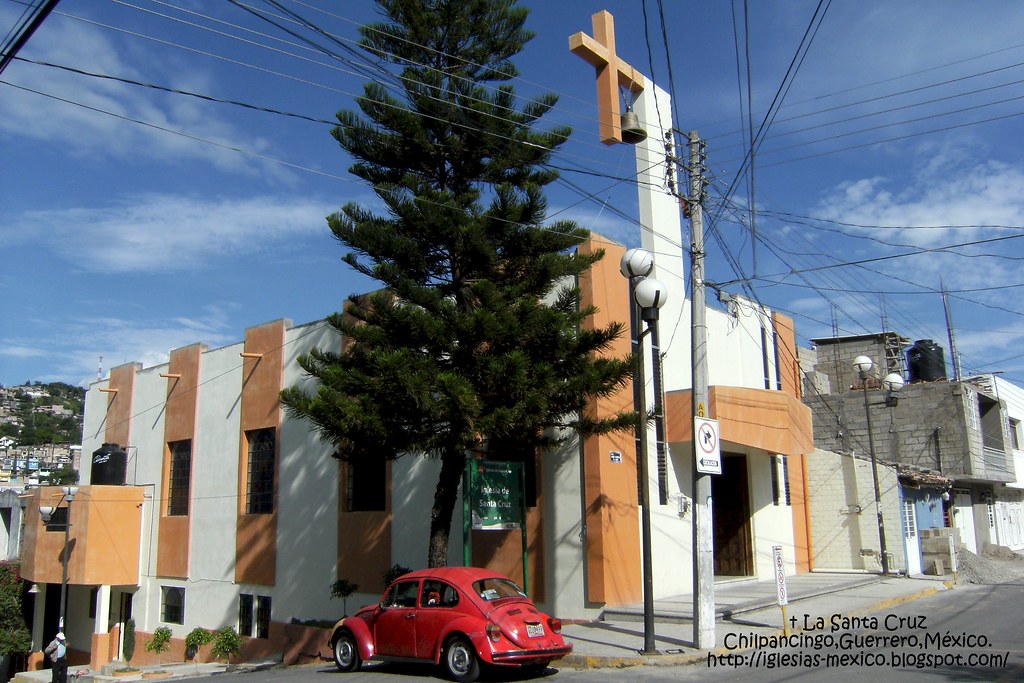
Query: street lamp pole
892	382
647	295
47	514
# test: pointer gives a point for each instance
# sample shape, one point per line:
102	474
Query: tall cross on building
612	74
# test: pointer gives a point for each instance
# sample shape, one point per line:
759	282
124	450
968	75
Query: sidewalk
82	674
741	607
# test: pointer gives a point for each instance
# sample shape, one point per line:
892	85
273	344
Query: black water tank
109	465
926	360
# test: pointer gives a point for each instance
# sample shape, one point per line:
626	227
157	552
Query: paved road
973	633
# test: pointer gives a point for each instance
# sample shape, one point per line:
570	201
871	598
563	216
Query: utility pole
954	355
703	548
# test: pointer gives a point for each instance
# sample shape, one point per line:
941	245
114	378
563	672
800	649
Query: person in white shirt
57	651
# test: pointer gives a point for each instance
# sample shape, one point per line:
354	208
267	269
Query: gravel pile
995	565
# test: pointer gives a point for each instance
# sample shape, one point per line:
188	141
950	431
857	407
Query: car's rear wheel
460	661
346	654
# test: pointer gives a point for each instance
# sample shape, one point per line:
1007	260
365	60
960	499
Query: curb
579	662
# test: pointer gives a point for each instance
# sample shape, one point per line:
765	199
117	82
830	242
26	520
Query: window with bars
780	480
172	605
254	615
180	477
259	495
262	616
245	604
1013	427
909	519
58	520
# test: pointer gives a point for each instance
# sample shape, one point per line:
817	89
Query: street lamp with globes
46	512
646	296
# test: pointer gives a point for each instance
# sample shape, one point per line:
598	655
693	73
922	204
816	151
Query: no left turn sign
707	451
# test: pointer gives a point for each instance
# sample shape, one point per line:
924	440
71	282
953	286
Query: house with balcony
949	438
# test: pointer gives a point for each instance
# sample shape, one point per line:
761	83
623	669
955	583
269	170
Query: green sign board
494	500
495	496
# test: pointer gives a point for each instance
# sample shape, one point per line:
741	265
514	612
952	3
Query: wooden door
731	510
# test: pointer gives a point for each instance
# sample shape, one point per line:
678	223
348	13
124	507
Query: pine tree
477	333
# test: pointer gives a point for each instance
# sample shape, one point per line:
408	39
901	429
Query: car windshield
495	589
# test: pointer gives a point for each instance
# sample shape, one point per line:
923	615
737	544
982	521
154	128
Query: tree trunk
445	495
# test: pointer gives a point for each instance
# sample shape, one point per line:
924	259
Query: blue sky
134	221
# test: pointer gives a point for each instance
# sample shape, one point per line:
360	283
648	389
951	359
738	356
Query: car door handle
411	615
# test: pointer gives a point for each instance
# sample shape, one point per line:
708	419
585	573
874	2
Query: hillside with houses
40	430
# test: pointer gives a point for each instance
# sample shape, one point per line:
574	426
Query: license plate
535	630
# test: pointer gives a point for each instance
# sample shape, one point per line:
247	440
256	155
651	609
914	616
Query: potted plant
195	639
128	648
226	642
159	642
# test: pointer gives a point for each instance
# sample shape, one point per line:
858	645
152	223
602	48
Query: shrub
393	573
342	588
129	640
195	639
159	642
15	637
226	642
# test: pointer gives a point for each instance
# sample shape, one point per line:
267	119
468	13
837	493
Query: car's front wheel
346	654
460	661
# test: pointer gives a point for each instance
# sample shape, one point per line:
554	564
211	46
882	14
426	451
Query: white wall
770	524
565	564
837	486
307	525
1010	500
413	483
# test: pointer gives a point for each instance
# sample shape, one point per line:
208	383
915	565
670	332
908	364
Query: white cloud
160	233
75	356
93	118
16	351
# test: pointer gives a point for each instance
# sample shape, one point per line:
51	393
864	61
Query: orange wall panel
364	539
172	552
174	538
119	403
183	393
262	380
612	514
789	365
104	538
801	517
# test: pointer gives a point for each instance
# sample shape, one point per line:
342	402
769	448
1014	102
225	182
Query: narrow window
785	478
180	477
172	605
263	616
367	484
780	480
244	615
909	519
58	520
260	489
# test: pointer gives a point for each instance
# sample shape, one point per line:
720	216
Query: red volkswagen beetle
457	617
